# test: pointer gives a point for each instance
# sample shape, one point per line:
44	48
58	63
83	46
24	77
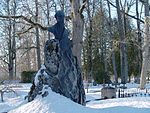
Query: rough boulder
60	72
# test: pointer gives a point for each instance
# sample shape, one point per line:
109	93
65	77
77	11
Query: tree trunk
77	29
122	46
103	44
125	51
126	63
35	60
113	53
14	39
28	56
37	37
10	65
89	51
10	53
146	47
105	57
139	39
48	14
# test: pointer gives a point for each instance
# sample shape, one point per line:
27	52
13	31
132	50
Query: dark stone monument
60	70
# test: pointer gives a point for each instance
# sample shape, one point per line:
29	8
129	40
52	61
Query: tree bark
28	56
10	52
89	51
37	37
139	39
113	53
146	47
125	45
14	40
77	29
122	46
48	14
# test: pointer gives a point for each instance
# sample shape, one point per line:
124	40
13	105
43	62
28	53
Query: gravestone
108	92
60	72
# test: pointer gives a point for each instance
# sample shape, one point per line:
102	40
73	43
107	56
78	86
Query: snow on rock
36	80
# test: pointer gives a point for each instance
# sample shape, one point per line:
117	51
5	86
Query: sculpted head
60	16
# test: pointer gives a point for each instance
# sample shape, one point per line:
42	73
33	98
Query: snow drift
56	103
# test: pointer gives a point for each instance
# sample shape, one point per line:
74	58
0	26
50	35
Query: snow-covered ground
55	103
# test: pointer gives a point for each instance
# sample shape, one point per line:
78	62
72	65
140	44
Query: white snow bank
11	100
53	103
56	103
136	102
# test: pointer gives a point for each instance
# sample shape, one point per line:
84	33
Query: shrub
27	76
102	77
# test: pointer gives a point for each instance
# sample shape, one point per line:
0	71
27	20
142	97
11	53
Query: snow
130	102
56	103
36	80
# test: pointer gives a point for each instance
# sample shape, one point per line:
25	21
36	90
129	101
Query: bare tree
78	26
37	36
90	9
113	53
139	38
146	47
126	8
122	46
11	39
48	14
14	35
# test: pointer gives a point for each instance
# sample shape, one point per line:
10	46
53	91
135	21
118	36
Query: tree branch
1	58
4	68
127	13
27	49
82	6
25	30
34	24
32	47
